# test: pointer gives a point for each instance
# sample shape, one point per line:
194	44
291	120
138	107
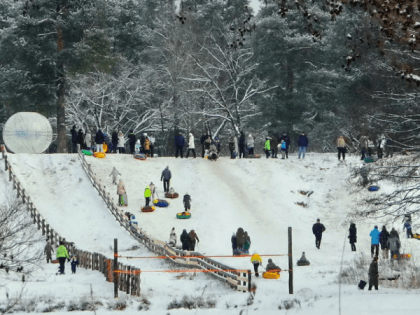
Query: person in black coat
202	139
318	228
233	241
132	141
286	139
273	146
99	140
73	139
383	240
179	145
114	140
187	202
81	139
241	145
353	236
185	240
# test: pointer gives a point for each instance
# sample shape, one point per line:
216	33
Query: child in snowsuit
122	194
256	261
147	194
283	147
47	251
74	262
187	202
172	238
114	175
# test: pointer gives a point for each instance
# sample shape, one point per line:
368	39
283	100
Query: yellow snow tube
271	275
105	146
99	155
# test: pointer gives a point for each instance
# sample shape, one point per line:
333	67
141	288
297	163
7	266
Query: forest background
325	67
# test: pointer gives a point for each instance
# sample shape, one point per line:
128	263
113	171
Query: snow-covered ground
259	195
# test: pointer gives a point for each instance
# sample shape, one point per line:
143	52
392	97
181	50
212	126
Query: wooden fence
128	282
237	279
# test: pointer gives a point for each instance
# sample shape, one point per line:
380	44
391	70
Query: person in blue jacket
407	226
303	143
374	241
179	145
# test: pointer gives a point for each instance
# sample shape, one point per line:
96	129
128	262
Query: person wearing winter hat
272	267
374	234
147	146
256	261
250	144
193	238
74	262
191	145
166	177
373	274
353	236
121	143
187	202
153	191
185	240
137	146
317	229
303	143
233	241
172	238
147	194
132	141
267	147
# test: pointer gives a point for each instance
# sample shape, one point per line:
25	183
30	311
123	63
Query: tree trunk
61	110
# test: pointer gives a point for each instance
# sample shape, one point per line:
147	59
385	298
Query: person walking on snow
147	194
394	244
179	145
122	194
166	177
353	236
256	261
233	241
318	228
341	147
48	252
192	238
383	240
373	274
153	191
303	143
374	234
185	240
74	262
191	146
114	174
407	226
267	147
250	144
61	255
187	202
172	238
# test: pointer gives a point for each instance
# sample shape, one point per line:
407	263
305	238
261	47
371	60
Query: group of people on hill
256	261
241	242
188	240
381	145
81	141
62	253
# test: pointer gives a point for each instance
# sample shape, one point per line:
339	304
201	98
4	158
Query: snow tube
373	188
172	196
183	215
303	263
368	160
416	236
271	275
405	256
87	152
161	203
148	209
140	156
99	155
105	146
55	261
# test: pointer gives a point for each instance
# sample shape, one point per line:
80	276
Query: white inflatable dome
27	133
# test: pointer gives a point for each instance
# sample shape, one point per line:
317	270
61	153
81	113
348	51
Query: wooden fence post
290	261
115	267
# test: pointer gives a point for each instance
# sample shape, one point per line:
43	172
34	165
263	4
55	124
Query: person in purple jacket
303	143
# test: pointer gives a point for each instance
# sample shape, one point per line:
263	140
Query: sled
271	275
140	156
362	284
373	188
148	209
403	256
369	160
105	147
55	261
161	203
303	263
253	156
99	155
416	236
87	152
172	196
183	215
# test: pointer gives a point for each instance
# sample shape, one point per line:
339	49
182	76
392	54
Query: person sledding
272	267
256	261
187	202
212	153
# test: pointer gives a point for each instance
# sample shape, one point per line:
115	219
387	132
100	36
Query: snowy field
259	195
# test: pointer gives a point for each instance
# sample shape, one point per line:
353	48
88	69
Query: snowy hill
259	195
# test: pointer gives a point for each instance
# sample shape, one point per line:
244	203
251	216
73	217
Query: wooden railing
128	282
237	279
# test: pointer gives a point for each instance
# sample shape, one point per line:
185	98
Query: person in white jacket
172	238
191	146
152	140
121	142
88	139
250	144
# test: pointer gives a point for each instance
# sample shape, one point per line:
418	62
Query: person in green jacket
267	147
147	194
61	255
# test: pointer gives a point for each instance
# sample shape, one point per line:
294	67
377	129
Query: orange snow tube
148	209
105	146
271	275
99	155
